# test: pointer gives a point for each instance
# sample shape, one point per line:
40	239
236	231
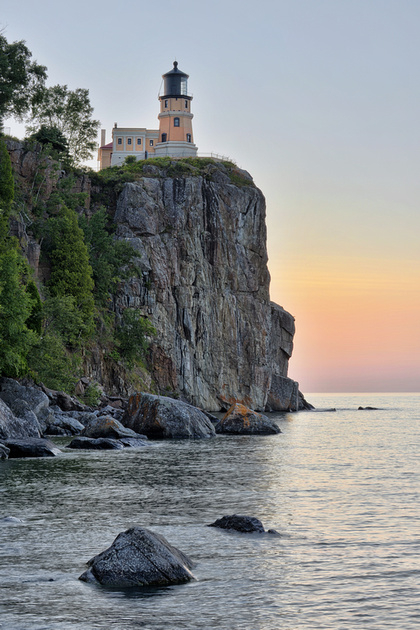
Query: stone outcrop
160	417
239	420
243	524
205	287
139	557
30	447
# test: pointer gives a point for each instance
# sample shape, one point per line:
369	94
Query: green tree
20	79
52	136
71	273
106	254
133	335
6	190
71	113
16	305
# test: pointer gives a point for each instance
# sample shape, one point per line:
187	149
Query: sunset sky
320	101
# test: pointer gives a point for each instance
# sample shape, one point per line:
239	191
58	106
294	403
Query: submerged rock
239	420
139	557
160	417
31	447
98	444
243	524
4	451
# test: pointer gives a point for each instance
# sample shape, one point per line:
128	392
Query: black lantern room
175	82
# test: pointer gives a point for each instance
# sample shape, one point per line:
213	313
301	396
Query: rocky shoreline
31	415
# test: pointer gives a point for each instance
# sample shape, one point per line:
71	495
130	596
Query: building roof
107	146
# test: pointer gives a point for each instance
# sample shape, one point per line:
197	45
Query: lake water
341	488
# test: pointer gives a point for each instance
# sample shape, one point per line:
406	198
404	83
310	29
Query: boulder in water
243	524
95	444
108	427
160	417
139	557
239	420
31	447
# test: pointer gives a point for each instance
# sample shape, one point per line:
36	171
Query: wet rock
31	447
239	420
58	422
4	451
11	391
243	524
14	427
160	417
367	408
139	557
98	444
130	442
107	427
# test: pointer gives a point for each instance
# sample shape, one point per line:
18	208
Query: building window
176	122
119	140
188	137
128	140
138	140
164	137
151	142
186	104
166	103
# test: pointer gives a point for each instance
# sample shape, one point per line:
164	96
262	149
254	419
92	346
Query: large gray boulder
13	427
31	447
239	420
107	427
160	417
12	391
139	557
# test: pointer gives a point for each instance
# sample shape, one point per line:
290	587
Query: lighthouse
174	138
175	117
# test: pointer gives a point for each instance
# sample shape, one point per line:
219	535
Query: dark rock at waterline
4	451
31	447
367	408
244	524
160	417
108	427
137	442
139	557
95	444
239	420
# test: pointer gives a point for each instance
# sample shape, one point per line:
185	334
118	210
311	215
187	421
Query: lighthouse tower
175	117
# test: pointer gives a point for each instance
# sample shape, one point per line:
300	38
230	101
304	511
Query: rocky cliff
199	229
205	287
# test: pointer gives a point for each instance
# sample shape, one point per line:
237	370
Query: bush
133	336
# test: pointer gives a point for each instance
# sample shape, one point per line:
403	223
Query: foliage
16	338
20	79
130	159
132	335
106	254
34	321
71	273
52	136
7	189
92	395
70	112
52	364
62	316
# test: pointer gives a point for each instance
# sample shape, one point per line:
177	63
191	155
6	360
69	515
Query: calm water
342	489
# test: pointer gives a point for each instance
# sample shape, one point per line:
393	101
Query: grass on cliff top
161	167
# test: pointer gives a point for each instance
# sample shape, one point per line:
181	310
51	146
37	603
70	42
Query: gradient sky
319	100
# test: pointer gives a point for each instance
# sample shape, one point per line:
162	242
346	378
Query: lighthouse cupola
175	82
175	117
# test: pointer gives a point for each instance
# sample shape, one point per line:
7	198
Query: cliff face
204	284
205	287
